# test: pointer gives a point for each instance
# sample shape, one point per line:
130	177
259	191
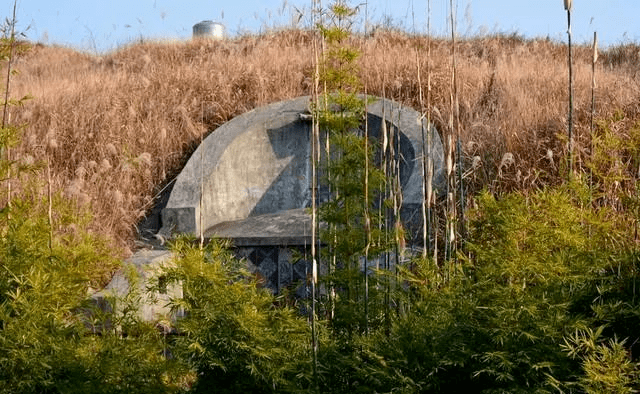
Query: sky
100	26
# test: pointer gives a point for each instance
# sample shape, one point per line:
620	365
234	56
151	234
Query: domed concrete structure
258	163
250	181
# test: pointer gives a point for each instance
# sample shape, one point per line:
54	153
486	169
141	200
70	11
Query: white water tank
208	29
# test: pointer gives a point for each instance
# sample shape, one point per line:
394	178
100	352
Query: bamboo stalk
314	257
383	210
397	203
367	219
5	110
332	261
458	155
8	148
430	196
423	162
594	59
393	196
392	213
568	6
461	196
314	188
200	218
453	129
50	209
332	228
12	37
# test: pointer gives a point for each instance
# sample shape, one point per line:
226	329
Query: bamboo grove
523	278
352	297
361	200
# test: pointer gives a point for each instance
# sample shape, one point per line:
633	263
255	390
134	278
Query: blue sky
102	25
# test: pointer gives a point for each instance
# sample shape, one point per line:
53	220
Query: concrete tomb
250	181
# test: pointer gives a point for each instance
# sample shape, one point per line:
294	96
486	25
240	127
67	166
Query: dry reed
123	124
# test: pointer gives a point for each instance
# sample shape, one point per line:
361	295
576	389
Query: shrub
541	267
233	335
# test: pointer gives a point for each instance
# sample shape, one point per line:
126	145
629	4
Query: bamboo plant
568	4
353	182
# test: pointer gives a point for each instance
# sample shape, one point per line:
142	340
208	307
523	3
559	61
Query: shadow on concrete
291	189
282	176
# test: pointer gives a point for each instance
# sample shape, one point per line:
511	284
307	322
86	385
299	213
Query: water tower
208	29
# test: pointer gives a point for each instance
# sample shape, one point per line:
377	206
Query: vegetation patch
539	297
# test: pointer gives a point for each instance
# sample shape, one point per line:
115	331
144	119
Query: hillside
531	288
119	127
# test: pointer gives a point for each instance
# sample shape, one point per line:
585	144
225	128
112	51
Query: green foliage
354	186
532	258
233	336
545	301
10	47
346	211
49	263
606	363
9	133
46	344
352	366
614	166
541	266
615	160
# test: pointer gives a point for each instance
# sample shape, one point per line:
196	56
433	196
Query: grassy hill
121	125
540	298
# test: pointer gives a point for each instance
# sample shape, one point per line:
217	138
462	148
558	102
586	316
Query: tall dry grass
513	99
119	127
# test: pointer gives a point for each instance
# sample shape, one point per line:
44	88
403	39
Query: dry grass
120	126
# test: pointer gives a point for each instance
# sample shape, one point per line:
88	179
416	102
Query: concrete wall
258	163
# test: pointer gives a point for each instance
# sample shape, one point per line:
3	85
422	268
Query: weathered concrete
143	270
292	227
272	263
258	163
255	173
